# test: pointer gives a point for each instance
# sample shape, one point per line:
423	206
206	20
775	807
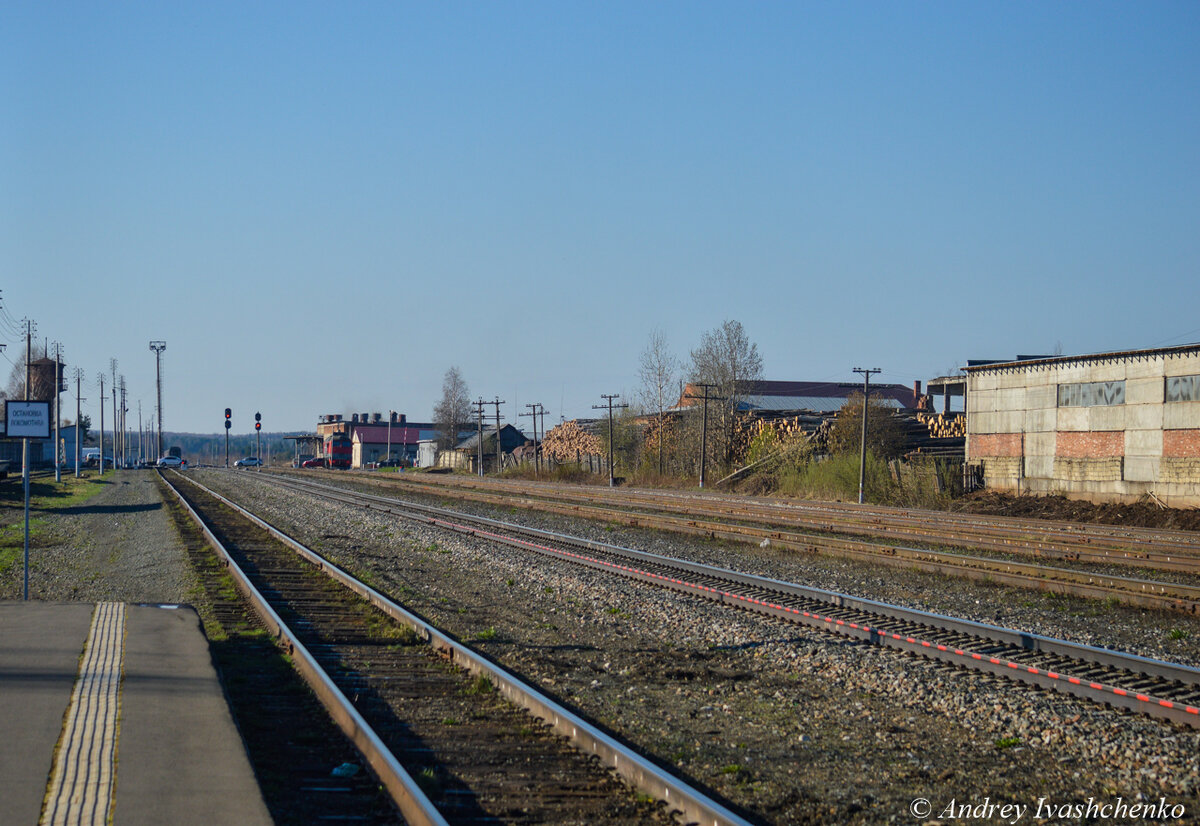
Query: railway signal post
228	414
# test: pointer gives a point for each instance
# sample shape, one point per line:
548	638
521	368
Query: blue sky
320	207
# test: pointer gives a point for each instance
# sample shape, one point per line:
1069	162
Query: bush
836	477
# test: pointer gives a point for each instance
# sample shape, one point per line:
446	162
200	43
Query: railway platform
113	713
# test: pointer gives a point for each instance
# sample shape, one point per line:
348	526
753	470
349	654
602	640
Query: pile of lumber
568	442
944	425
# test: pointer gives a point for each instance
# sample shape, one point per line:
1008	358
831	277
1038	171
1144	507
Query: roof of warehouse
817	404
809	395
1027	361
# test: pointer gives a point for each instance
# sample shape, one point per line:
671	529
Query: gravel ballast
792	724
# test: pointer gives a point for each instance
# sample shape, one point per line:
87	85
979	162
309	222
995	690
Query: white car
170	461
249	461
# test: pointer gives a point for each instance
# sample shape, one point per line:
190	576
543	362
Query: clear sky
320	207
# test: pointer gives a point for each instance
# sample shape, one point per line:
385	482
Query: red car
317	462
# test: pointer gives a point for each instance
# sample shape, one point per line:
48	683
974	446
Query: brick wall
985	445
1101	444
1181	444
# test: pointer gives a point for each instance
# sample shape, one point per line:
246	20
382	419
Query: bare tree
658	370
453	412
728	359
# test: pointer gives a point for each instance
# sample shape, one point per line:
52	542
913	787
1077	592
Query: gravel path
792	724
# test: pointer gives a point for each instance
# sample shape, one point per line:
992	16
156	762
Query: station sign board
26	420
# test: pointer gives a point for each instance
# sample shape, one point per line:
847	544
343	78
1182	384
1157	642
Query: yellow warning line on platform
80	792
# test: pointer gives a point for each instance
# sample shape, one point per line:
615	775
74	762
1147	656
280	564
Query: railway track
816	529
448	733
1152	687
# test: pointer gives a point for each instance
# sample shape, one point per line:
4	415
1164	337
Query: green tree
885	435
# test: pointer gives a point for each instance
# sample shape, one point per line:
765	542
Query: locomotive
338	451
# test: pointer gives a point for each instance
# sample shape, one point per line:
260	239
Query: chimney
916	391
376	418
403	419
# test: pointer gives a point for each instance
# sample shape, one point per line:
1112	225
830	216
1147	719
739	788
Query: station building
1106	427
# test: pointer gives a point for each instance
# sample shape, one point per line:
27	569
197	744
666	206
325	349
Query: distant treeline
210	447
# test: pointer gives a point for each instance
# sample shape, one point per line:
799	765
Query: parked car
249	461
170	461
314	462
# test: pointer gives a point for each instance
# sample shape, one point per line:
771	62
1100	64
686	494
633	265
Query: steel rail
1132	591
637	770
875	623
404	791
1170	550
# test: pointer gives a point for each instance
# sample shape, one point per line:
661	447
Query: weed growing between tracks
289	738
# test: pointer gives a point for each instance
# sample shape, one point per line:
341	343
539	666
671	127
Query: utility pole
391	415
499	453
158	347
58	418
533	413
112	363
124	428
100	378
704	426
608	397
542	413
78	424
862	460
479	420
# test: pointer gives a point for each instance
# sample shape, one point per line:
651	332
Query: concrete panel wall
1143	443
1142	468
1144	391
1098	451
1179	415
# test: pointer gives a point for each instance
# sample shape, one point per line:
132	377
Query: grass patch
46	498
1007	742
479	685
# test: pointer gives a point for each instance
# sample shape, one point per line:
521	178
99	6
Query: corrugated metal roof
817	404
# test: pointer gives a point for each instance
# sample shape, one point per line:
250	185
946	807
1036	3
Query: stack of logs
944	425
568	442
788	429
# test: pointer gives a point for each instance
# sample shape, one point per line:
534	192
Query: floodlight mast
158	347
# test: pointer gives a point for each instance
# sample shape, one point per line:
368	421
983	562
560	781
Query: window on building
1182	389
1091	394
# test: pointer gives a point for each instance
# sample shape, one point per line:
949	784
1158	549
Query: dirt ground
1136	514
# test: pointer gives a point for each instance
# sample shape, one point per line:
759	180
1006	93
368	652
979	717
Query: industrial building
374	438
1105	427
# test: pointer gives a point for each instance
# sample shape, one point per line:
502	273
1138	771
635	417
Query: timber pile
568	442
788	427
944	425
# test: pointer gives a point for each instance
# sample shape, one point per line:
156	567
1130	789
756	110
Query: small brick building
1104	427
